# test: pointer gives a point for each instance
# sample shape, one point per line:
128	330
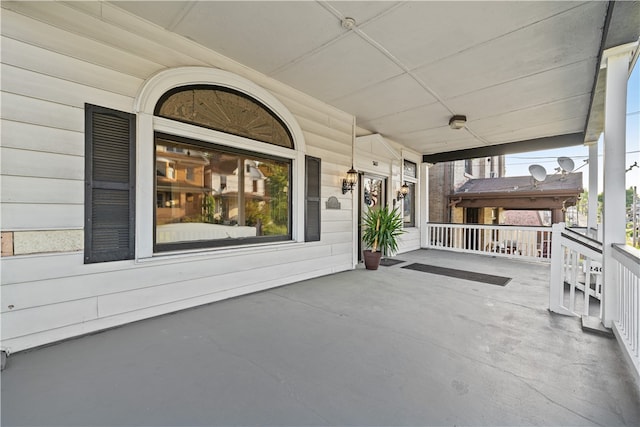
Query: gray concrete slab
387	347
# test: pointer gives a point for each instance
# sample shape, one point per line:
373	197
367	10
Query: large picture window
209	195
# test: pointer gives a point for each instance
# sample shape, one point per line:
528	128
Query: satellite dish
566	164
539	173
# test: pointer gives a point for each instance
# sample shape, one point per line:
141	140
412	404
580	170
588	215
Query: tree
628	197
583	203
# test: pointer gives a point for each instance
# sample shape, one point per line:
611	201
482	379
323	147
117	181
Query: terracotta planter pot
371	259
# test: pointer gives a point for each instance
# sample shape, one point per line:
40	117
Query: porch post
556	284
617	67
592	216
424	208
557	216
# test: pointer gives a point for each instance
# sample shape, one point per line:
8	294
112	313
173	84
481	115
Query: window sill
216	253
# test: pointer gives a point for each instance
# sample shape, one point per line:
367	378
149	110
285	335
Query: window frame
413	180
468	167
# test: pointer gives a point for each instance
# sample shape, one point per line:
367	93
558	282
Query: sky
518	164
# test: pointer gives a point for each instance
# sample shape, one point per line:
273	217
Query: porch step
593	325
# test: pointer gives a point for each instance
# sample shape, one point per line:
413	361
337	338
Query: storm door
372	190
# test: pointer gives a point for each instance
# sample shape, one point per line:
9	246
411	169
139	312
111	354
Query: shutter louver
312	199
110	184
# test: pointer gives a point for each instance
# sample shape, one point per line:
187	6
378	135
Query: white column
617	63
424	203
592	218
556	284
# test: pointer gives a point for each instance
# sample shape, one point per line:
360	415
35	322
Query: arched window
225	110
210	193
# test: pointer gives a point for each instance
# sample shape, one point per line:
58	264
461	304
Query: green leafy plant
381	229
208	209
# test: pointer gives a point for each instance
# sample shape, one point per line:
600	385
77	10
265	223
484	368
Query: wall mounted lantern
350	181
352	175
404	190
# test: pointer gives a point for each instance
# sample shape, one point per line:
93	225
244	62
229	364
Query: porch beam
616	61
546	143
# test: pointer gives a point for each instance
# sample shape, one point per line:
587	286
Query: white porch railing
521	242
575	287
627	327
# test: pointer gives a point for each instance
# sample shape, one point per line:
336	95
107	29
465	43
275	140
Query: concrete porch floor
390	347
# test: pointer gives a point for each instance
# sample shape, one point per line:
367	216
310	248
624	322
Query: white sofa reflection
190	231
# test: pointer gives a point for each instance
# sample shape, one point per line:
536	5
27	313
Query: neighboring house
529	218
555	194
446	177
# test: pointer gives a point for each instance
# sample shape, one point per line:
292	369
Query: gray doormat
388	262
460	274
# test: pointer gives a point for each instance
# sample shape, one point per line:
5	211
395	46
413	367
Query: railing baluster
627	327
587	285
498	240
573	280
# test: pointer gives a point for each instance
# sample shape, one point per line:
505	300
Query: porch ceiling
517	70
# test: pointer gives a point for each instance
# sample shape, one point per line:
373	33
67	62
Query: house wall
380	156
438	192
446	177
57	57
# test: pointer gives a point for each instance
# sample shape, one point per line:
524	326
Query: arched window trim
215	87
144	104
159	84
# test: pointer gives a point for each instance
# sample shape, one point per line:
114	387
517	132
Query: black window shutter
312	199
109	185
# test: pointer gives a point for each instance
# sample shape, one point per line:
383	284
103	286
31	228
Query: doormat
388	262
460	274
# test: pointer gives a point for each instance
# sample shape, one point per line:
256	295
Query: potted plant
381	228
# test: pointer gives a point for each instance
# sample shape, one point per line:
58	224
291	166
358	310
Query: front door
372	191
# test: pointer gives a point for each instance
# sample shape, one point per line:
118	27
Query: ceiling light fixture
348	23
457	122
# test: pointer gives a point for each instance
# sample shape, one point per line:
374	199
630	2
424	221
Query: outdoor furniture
503	247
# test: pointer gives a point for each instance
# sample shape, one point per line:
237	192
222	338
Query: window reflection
212	195
408	206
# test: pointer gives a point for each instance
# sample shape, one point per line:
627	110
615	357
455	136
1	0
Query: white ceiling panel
339	69
559	127
362	11
400	93
162	13
423	32
263	35
438	135
571	108
420	118
561	40
538	89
